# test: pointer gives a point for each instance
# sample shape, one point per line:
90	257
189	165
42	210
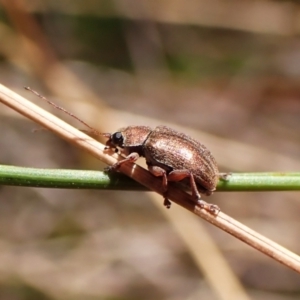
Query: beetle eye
117	138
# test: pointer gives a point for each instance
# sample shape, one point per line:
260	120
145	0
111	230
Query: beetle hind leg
178	175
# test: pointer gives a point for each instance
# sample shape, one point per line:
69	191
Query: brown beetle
169	154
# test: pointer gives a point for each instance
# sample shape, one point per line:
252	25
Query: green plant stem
67	179
77	179
265	181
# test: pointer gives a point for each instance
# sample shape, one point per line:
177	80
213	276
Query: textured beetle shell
172	150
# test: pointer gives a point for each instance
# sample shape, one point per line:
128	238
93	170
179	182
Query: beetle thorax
135	136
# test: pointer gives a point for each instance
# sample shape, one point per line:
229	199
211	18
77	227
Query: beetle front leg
132	157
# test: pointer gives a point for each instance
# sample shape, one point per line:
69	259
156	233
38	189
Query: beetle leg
167	202
160	172
178	175
132	157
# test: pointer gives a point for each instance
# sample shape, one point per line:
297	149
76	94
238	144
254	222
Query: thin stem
66	179
261	182
79	179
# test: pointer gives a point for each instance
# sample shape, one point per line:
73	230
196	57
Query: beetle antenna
93	130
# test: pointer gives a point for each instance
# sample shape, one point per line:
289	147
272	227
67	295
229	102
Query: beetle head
128	137
114	139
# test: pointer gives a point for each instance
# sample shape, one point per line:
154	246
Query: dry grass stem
78	138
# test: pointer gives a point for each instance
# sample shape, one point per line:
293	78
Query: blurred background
226	72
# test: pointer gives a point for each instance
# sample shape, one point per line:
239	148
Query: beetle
169	154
